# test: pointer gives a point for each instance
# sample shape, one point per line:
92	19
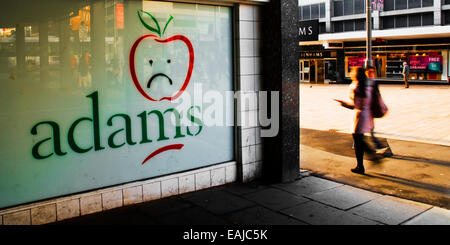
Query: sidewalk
307	201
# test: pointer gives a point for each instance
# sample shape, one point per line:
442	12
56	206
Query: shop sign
309	30
377	5
428	63
311	55
60	141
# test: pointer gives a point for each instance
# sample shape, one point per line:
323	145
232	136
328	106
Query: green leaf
167	23
157	29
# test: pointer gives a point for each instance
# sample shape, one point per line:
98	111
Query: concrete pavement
307	201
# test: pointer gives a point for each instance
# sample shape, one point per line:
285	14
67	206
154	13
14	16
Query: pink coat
363	120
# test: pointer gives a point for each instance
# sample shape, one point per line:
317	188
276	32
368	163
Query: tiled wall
250	63
249	146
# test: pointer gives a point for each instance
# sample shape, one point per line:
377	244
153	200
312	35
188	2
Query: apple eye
151	62
168	61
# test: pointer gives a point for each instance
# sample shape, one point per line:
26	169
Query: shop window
389	5
314	11
306	10
322	10
338	26
300	15
446	1
446	15
83	113
322	27
414	4
401	21
401	4
338	8
348	7
388	22
349	25
414	20
360	25
427	19
360	6
427	3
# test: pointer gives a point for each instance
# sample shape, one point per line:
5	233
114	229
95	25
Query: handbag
377	106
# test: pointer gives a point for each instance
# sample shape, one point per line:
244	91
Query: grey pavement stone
192	216
434	216
308	185
390	210
240	188
344	197
218	201
164	206
315	213
261	216
275	199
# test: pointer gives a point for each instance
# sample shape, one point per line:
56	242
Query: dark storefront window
414	4
446	2
338	26
427	19
359	6
349	25
348	7
388	22
401	21
414	20
360	25
338	8
322	10
306	10
389	5
446	15
401	4
314	11
322	27
427	3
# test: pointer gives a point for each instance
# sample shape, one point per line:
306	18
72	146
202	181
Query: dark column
281	73
64	53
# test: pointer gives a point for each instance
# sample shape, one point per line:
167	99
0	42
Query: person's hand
344	104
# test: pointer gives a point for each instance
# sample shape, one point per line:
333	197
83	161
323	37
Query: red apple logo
158	38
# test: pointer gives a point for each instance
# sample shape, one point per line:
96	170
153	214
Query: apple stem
158	28
167	23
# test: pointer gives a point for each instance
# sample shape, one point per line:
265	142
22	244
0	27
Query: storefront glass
99	93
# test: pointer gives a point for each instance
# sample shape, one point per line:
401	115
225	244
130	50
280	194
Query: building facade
415	31
91	113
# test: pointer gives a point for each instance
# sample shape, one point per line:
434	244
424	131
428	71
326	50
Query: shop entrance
312	71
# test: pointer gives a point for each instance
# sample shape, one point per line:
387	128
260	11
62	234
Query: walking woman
360	97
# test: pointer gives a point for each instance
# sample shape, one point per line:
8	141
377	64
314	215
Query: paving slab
434	216
243	188
163	206
390	210
261	216
308	185
192	216
275	199
344	197
315	213
218	201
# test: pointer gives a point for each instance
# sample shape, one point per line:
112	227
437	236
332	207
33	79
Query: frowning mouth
158	75
163	149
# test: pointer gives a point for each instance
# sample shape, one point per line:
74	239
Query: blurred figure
370	72
84	76
405	74
360	97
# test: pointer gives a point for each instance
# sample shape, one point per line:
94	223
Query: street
417	129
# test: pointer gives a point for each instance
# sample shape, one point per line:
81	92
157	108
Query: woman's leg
360	146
